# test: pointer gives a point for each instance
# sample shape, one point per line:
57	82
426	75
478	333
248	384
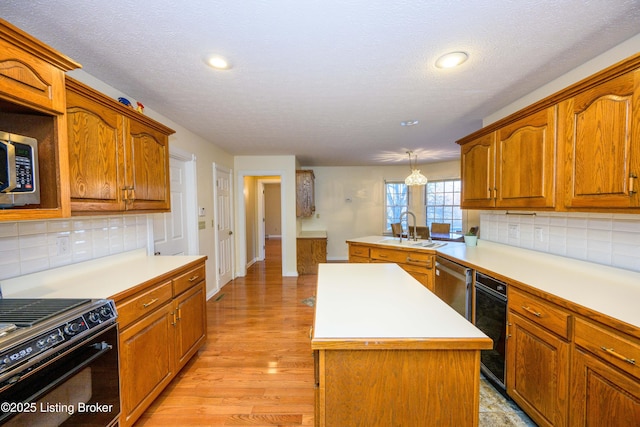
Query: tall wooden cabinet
32	103
600	132
118	158
305	193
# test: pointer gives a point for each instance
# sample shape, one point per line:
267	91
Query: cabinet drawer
188	279
145	302
360	251
420	259
388	255
540	312
610	346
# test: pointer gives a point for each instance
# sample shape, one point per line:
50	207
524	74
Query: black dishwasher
491	318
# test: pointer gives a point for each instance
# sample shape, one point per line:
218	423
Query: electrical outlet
62	245
538	233
514	231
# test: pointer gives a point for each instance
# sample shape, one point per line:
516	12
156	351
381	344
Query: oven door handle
103	348
490	292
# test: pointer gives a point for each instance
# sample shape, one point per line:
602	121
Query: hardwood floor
256	368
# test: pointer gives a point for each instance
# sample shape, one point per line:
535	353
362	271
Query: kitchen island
389	352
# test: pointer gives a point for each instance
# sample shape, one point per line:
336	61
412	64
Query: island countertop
370	306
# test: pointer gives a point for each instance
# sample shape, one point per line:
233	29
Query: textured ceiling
328	81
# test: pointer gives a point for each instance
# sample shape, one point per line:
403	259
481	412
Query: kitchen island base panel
399	387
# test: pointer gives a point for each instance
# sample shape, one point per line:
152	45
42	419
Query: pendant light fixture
416	178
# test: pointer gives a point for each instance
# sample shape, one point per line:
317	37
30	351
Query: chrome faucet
415	234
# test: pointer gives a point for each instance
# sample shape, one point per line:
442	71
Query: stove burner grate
25	312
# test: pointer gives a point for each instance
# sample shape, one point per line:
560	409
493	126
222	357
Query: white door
223	225
170	228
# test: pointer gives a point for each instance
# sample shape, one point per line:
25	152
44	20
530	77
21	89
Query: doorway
269	215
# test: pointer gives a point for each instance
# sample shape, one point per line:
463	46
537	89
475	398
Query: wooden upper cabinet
305	193
118	159
525	165
600	132
31	73
96	155
477	169
149	168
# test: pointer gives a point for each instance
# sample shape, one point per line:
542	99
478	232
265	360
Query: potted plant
470	237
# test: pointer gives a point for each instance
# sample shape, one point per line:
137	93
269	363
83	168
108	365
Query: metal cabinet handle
175	321
612	352
532	311
194	277
632	180
147	304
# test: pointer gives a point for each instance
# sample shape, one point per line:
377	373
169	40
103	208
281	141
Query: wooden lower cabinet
310	251
605	386
602	395
146	362
161	327
420	264
537	373
564	369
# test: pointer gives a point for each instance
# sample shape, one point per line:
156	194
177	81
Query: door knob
230	232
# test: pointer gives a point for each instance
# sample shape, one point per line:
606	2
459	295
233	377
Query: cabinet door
537	371
147	168
477	171
30	80
305	197
601	394
191	323
599	130
146	362
525	162
96	155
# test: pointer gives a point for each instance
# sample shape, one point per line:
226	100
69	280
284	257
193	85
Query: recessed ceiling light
451	59
409	123
218	62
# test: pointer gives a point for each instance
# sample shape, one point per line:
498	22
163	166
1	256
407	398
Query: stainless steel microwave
19	183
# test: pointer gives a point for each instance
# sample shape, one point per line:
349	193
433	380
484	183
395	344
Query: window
443	203
396	201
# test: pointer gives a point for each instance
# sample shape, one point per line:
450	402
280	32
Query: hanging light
416	178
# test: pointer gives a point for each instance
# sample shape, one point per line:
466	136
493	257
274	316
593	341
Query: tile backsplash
31	246
609	239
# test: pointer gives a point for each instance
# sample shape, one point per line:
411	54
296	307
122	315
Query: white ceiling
328	81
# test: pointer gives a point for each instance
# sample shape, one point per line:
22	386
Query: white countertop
611	291
382	301
614	292
95	279
313	234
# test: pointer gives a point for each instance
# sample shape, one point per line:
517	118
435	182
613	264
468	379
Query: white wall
285	168
350	201
600	62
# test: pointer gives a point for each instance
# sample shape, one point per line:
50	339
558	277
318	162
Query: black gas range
58	362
